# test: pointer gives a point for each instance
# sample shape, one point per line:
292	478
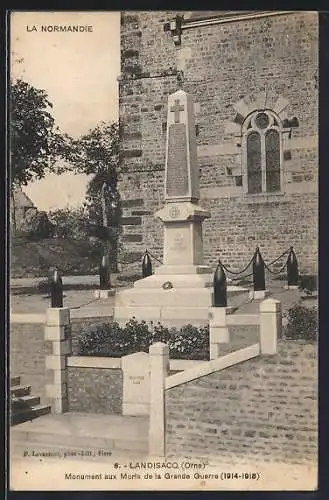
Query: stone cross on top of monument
177	108
181	169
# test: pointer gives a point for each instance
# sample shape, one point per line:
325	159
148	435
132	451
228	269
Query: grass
30	258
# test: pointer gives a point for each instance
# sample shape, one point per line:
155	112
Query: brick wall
265	408
222	64
28	351
95	390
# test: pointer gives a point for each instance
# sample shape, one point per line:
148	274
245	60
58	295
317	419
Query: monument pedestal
181	290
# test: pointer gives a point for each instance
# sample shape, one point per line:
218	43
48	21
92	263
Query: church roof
206	14
22	200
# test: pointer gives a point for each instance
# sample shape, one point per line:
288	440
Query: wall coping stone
208	367
93	362
115	363
28	318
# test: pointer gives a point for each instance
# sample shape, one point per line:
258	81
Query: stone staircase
80	436
24	405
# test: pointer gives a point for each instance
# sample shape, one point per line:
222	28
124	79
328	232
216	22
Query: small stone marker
136	384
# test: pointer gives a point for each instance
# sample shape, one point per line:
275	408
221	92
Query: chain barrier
278	258
239	272
153	257
130	262
242	277
275	272
250	262
86	304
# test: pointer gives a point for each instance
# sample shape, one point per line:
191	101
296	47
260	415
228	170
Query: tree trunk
105	222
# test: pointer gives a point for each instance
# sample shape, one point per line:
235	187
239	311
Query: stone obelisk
181	215
180	291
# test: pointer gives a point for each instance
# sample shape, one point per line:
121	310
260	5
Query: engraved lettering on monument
178	242
177	175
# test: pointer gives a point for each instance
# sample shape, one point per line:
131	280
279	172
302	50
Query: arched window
262	153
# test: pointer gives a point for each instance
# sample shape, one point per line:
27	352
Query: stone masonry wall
265	408
222	64
95	390
28	351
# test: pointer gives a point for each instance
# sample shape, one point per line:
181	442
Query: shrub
112	340
69	223
36	225
302	323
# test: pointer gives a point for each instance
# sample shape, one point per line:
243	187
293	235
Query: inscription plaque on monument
177	168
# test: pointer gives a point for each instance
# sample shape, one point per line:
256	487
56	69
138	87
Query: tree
35	142
97	153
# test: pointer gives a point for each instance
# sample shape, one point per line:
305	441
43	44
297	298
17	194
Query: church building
253	76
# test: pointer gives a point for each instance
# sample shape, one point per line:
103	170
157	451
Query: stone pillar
218	330
159	353
57	331
270	325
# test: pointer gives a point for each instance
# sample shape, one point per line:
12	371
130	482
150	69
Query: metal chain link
153	256
86	304
274	261
278	258
240	272
242	277
127	263
275	272
252	258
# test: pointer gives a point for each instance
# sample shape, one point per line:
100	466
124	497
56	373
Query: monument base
172	300
291	287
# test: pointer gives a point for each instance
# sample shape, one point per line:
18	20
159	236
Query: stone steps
29	413
24	405
15	380
20	390
96	437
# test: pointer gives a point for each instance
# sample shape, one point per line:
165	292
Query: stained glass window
262	120
254	163
263	145
272	158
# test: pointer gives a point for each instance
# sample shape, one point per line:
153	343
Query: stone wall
28	351
222	64
265	408
95	390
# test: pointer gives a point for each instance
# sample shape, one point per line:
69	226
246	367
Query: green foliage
302	323
36	225
32	258
97	154
112	340
69	223
35	142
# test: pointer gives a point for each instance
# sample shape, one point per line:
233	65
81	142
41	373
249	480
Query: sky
79	71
